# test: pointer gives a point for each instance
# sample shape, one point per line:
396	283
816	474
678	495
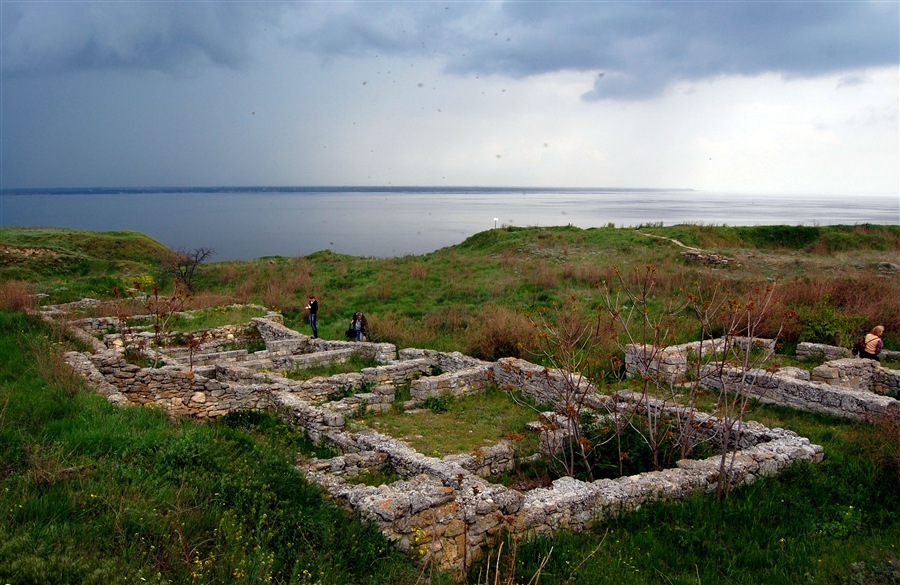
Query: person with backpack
361	325
871	345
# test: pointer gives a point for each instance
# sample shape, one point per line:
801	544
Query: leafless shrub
500	332
509	258
543	275
449	319
570	344
589	273
228	273
400	330
206	301
243	291
418	272
737	319
161	309
182	264
282	287
740	318
274	294
16	295
871	298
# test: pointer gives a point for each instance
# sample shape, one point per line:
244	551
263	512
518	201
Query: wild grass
92	493
213	317
354	364
461	425
16	295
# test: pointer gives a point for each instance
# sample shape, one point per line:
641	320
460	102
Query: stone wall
794	389
447	361
461	383
178	392
859	374
281	340
672	362
544	385
821	352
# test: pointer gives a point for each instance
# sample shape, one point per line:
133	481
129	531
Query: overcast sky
759	97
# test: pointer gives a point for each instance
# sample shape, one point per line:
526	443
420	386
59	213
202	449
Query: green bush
437	404
823	323
779	236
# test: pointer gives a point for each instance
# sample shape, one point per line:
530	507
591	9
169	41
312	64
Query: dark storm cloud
637	49
177	37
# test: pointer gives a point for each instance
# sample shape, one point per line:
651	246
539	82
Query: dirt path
673	240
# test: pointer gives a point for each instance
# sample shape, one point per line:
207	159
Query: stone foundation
786	388
443	509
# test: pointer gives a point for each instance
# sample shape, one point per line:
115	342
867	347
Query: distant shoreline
333	189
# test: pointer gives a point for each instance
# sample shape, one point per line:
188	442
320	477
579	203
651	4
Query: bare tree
575	347
742	351
646	324
730	347
182	264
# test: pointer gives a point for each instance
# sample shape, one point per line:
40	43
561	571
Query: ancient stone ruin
446	509
843	386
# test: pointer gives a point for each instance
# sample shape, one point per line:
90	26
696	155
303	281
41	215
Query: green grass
96	494
214	317
454	298
354	364
69	264
464	425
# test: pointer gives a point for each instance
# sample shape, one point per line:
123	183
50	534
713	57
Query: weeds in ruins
589	436
354	363
162	311
572	347
504	567
468	423
731	334
748	344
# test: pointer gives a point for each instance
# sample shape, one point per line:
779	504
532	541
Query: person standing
872	344
313	307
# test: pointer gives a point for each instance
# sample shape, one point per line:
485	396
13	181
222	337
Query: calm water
250	224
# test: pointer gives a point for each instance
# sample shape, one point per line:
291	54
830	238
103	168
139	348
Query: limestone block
333	419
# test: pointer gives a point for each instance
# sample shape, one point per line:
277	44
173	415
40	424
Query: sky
758	97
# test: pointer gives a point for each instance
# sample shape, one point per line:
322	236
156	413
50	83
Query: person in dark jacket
313	307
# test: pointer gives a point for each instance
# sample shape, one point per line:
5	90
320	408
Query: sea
252	222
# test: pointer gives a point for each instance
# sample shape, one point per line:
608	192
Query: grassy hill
476	296
59	254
